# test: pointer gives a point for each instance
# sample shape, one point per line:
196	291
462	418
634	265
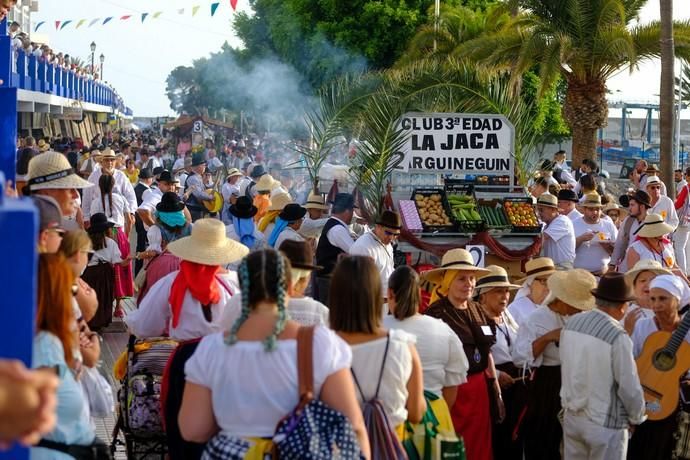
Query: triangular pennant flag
57	25
107	20
124	18
80	23
233	4
156	14
195	9
143	17
38	26
64	24
180	11
214	7
94	21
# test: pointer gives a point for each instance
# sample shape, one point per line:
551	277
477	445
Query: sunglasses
389	233
58	231
655	187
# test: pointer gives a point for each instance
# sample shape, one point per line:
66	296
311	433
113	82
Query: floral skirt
124	281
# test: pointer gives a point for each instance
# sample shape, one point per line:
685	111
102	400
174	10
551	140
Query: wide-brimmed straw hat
279	201
653	227
541	266
43	146
496	277
51	170
234	172
652	180
614	287
456	260
573	287
208	245
316	201
610	206
646	265
592	200
265	183
108	154
546	199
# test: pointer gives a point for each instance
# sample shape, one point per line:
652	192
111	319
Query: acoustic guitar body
660	373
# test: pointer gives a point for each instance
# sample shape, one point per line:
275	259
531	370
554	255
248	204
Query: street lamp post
102	58
93	55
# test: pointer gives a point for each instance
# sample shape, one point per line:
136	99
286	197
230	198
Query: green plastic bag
424	441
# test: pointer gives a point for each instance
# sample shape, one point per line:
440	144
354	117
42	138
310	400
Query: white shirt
307	311
666	258
155	239
596	357
122	186
539	323
179	164
152	163
506	336
444	362
214	163
369	245
568	178
591	255
252	389
667	209
339	236
288	234
560	246
644	312
574	215
521	308
312	228
366	366
154	316
117	216
110	254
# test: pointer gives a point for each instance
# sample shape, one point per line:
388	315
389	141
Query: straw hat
653	226
456	260
108	154
234	172
497	277
546	199
208	245
51	170
43	146
265	184
592	200
316	201
279	201
645	265
541	266
573	287
651	180
611	206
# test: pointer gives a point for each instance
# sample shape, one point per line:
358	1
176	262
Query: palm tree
583	41
666	98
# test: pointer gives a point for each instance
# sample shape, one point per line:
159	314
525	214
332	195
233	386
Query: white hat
316	201
279	201
574	287
265	183
497	277
456	260
234	172
208	245
652	180
653	227
51	170
645	265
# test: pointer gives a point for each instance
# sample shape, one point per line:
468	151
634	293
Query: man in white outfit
122	186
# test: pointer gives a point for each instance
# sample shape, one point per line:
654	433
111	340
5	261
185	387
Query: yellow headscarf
441	290
269	218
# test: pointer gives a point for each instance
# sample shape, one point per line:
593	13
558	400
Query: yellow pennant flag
195	10
156	14
79	24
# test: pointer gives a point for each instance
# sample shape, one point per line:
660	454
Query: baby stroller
139	417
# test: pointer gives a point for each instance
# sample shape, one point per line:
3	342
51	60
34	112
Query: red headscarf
201	282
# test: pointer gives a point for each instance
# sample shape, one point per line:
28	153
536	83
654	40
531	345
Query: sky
139	57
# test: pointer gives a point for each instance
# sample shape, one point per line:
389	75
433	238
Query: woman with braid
242	382
187	305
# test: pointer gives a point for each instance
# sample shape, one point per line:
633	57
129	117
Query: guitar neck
678	335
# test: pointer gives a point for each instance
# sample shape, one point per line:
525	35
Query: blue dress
73	424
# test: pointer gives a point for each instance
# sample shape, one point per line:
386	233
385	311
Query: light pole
93	54
102	58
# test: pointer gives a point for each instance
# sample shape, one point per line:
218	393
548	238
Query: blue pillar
8	132
18	235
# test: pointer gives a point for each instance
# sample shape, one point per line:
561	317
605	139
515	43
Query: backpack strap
383	365
305	364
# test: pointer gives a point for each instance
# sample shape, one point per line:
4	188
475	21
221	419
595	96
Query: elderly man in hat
567	200
122	186
194	190
230	191
596	356
152	196
559	237
377	244
638	206
661	204
594	237
315	219
335	240
651	171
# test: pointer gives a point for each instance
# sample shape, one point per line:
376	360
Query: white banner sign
72	113
457	143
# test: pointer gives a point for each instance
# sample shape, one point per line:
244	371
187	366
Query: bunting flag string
64	24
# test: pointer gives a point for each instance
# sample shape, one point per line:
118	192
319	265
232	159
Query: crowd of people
540	367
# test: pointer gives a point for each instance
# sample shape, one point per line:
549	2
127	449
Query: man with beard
637	212
593	237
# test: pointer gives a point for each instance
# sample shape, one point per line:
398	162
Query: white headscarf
674	286
526	288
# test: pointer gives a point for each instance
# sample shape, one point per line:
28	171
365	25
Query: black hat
158	170
257	172
546	165
300	254
170	202
390	219
567	195
243	208
145	173
641	197
344	201
165	176
198	159
614	287
624	200
99	223
292	212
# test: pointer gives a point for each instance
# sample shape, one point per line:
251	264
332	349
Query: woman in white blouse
242	382
388	357
444	364
533	290
640	277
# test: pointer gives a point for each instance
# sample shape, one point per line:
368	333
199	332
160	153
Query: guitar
664	359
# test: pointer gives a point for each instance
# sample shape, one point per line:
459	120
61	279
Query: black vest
192	202
326	253
139	192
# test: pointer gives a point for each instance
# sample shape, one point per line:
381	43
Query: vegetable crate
521	215
433	210
463	209
493	215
